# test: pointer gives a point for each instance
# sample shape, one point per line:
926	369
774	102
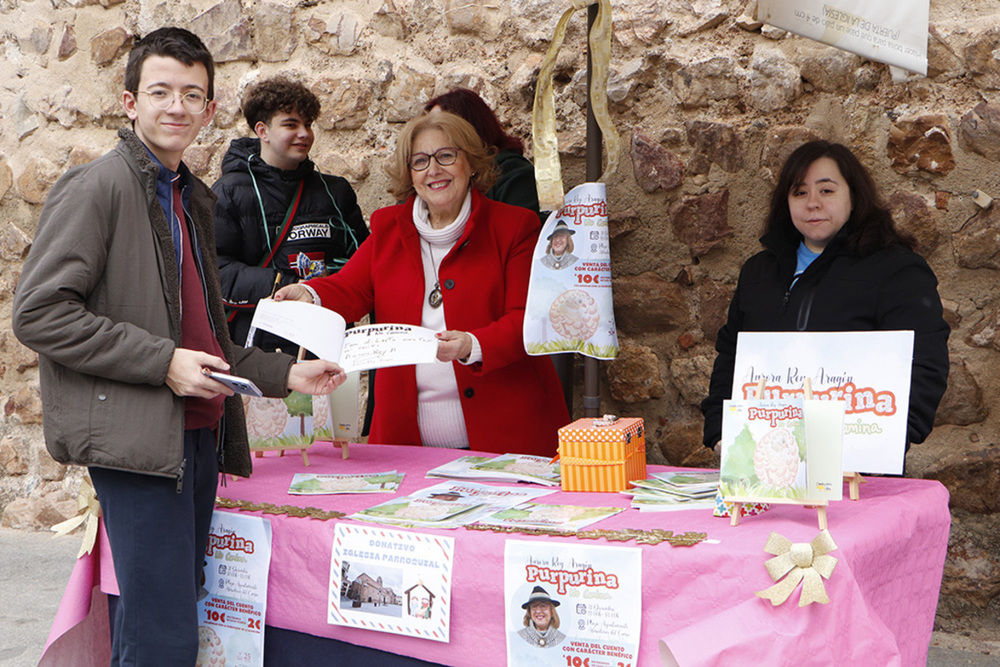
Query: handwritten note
324	333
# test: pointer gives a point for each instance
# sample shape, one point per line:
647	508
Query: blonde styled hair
554	623
461	135
569	243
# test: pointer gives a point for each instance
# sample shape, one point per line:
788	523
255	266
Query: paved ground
34	569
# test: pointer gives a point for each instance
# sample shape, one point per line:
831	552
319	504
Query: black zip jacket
328	227
890	290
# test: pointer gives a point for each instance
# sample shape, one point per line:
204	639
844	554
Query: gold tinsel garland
655	536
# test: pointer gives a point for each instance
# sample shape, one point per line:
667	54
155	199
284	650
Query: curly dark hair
869	228
279	94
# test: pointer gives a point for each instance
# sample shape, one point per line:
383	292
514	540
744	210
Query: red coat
511	402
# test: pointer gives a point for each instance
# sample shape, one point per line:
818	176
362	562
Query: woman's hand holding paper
295	292
453	345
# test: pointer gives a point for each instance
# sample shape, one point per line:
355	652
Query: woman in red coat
451	260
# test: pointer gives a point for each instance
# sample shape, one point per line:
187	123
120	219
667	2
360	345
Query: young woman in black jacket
833	260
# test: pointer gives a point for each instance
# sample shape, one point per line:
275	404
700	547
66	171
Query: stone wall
708	104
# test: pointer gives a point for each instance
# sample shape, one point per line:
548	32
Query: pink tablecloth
698	603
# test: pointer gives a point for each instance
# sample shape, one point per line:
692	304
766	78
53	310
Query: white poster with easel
782	451
868	370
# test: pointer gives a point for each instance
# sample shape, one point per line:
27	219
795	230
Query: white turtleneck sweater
439	407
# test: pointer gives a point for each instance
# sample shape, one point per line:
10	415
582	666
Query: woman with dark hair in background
515	174
833	260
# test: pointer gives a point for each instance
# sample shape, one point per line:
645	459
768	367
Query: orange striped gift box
602	454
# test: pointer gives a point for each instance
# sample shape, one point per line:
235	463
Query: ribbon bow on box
807	562
89	512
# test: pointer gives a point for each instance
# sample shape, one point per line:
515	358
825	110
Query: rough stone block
921	144
634	376
655	167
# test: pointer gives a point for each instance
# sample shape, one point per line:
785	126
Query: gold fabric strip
548	171
655	536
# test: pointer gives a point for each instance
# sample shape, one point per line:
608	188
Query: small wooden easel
259	452
820	505
855	481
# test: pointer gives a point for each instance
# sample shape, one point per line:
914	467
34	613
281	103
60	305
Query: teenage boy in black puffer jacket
277	215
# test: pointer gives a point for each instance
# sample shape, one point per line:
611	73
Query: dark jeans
158	539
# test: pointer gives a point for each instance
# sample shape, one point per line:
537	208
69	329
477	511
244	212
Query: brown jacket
98	299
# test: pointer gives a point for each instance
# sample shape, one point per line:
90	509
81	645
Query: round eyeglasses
443	156
163	98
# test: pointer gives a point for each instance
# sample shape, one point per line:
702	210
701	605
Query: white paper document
324	333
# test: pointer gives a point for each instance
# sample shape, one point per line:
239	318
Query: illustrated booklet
503	468
448	505
782	450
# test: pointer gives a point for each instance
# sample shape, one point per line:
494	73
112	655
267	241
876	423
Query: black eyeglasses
443	156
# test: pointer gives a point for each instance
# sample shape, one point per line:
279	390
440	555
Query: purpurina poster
569	306
391	581
233	599
572	605
868	370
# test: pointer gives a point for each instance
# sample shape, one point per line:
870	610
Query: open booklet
503	468
324	333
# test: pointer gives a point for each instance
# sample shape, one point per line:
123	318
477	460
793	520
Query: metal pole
591	381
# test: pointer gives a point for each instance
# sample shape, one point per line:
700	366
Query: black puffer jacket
889	290
328	226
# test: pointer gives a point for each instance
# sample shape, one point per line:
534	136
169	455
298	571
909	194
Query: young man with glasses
120	297
278	219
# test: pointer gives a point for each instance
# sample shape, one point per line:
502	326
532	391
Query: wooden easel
819	505
342	443
855	481
259	452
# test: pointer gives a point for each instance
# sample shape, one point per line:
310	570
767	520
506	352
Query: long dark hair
870	227
470	106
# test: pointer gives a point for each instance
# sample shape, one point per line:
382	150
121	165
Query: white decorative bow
807	562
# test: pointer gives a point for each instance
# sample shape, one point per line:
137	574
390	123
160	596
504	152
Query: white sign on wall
889	31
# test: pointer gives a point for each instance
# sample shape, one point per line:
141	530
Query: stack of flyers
504	468
448	505
565	518
309	484
668	491
694	483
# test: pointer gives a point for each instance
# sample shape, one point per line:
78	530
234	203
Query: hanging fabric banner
569	307
548	172
888	31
